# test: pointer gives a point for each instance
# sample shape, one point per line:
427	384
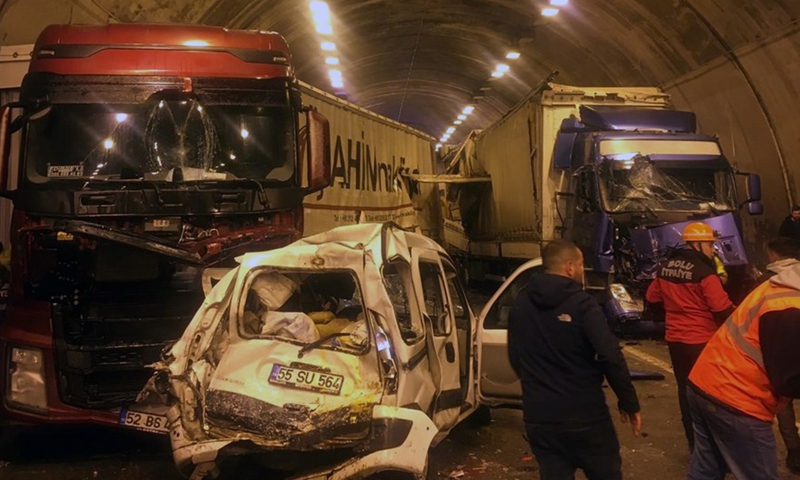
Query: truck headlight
26	385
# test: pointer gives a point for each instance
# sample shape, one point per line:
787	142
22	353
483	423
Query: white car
344	354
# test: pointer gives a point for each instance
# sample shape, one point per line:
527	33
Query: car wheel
482	416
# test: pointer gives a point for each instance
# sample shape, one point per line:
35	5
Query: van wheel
482	416
8	437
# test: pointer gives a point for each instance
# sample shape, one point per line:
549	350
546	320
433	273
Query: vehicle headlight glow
26	386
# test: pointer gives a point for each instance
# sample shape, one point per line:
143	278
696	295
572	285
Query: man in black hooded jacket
561	346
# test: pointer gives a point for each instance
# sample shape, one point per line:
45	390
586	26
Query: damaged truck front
613	169
142	155
341	355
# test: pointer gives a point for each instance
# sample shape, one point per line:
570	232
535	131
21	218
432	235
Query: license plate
144	421
303	379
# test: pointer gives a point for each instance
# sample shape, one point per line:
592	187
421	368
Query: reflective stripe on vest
738	332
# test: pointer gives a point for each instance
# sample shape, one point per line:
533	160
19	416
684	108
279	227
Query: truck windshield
150	141
639	184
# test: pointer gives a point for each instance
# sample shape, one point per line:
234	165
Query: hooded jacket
561	346
777	267
753	364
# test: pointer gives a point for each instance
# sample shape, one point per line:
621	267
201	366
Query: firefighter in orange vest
746	374
695	303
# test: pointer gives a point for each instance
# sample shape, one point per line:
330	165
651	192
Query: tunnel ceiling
421	61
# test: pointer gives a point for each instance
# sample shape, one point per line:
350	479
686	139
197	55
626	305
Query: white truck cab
346	353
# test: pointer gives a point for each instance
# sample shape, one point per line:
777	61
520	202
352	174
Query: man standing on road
790	227
745	375
695	304
783	253
561	346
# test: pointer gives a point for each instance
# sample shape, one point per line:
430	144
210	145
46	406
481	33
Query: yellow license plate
303	379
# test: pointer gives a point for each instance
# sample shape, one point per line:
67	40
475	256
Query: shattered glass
165	139
642	185
305	307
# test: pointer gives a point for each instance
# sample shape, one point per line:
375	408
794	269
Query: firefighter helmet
699	232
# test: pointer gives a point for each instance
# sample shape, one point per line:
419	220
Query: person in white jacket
783	253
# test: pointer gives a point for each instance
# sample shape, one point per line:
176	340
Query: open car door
498	384
441	335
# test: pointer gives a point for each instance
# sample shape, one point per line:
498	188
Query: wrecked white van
341	355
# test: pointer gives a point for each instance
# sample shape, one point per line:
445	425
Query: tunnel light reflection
324	29
320	12
559	3
549	12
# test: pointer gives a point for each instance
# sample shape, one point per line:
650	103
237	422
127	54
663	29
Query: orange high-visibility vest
731	367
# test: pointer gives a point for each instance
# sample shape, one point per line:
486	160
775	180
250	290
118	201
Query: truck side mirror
319	151
755	208
754	187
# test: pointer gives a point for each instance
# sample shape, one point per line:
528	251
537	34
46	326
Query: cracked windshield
152	140
641	184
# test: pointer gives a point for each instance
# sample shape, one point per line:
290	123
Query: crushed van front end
284	365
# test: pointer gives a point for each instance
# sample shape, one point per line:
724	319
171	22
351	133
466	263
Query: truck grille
104	343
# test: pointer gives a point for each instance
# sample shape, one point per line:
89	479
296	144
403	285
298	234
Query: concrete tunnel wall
736	63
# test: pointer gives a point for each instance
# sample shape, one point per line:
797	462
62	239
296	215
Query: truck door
498	384
441	336
584	214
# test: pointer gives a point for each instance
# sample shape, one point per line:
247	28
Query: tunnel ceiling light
320	12
559	3
496	74
324	29
332	61
121	117
328	46
337	83
512	55
450	130
462	117
502	68
458	122
468	109
549	12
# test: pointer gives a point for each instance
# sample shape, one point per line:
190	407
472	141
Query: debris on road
458	473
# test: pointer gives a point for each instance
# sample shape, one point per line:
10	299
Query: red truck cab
148	154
